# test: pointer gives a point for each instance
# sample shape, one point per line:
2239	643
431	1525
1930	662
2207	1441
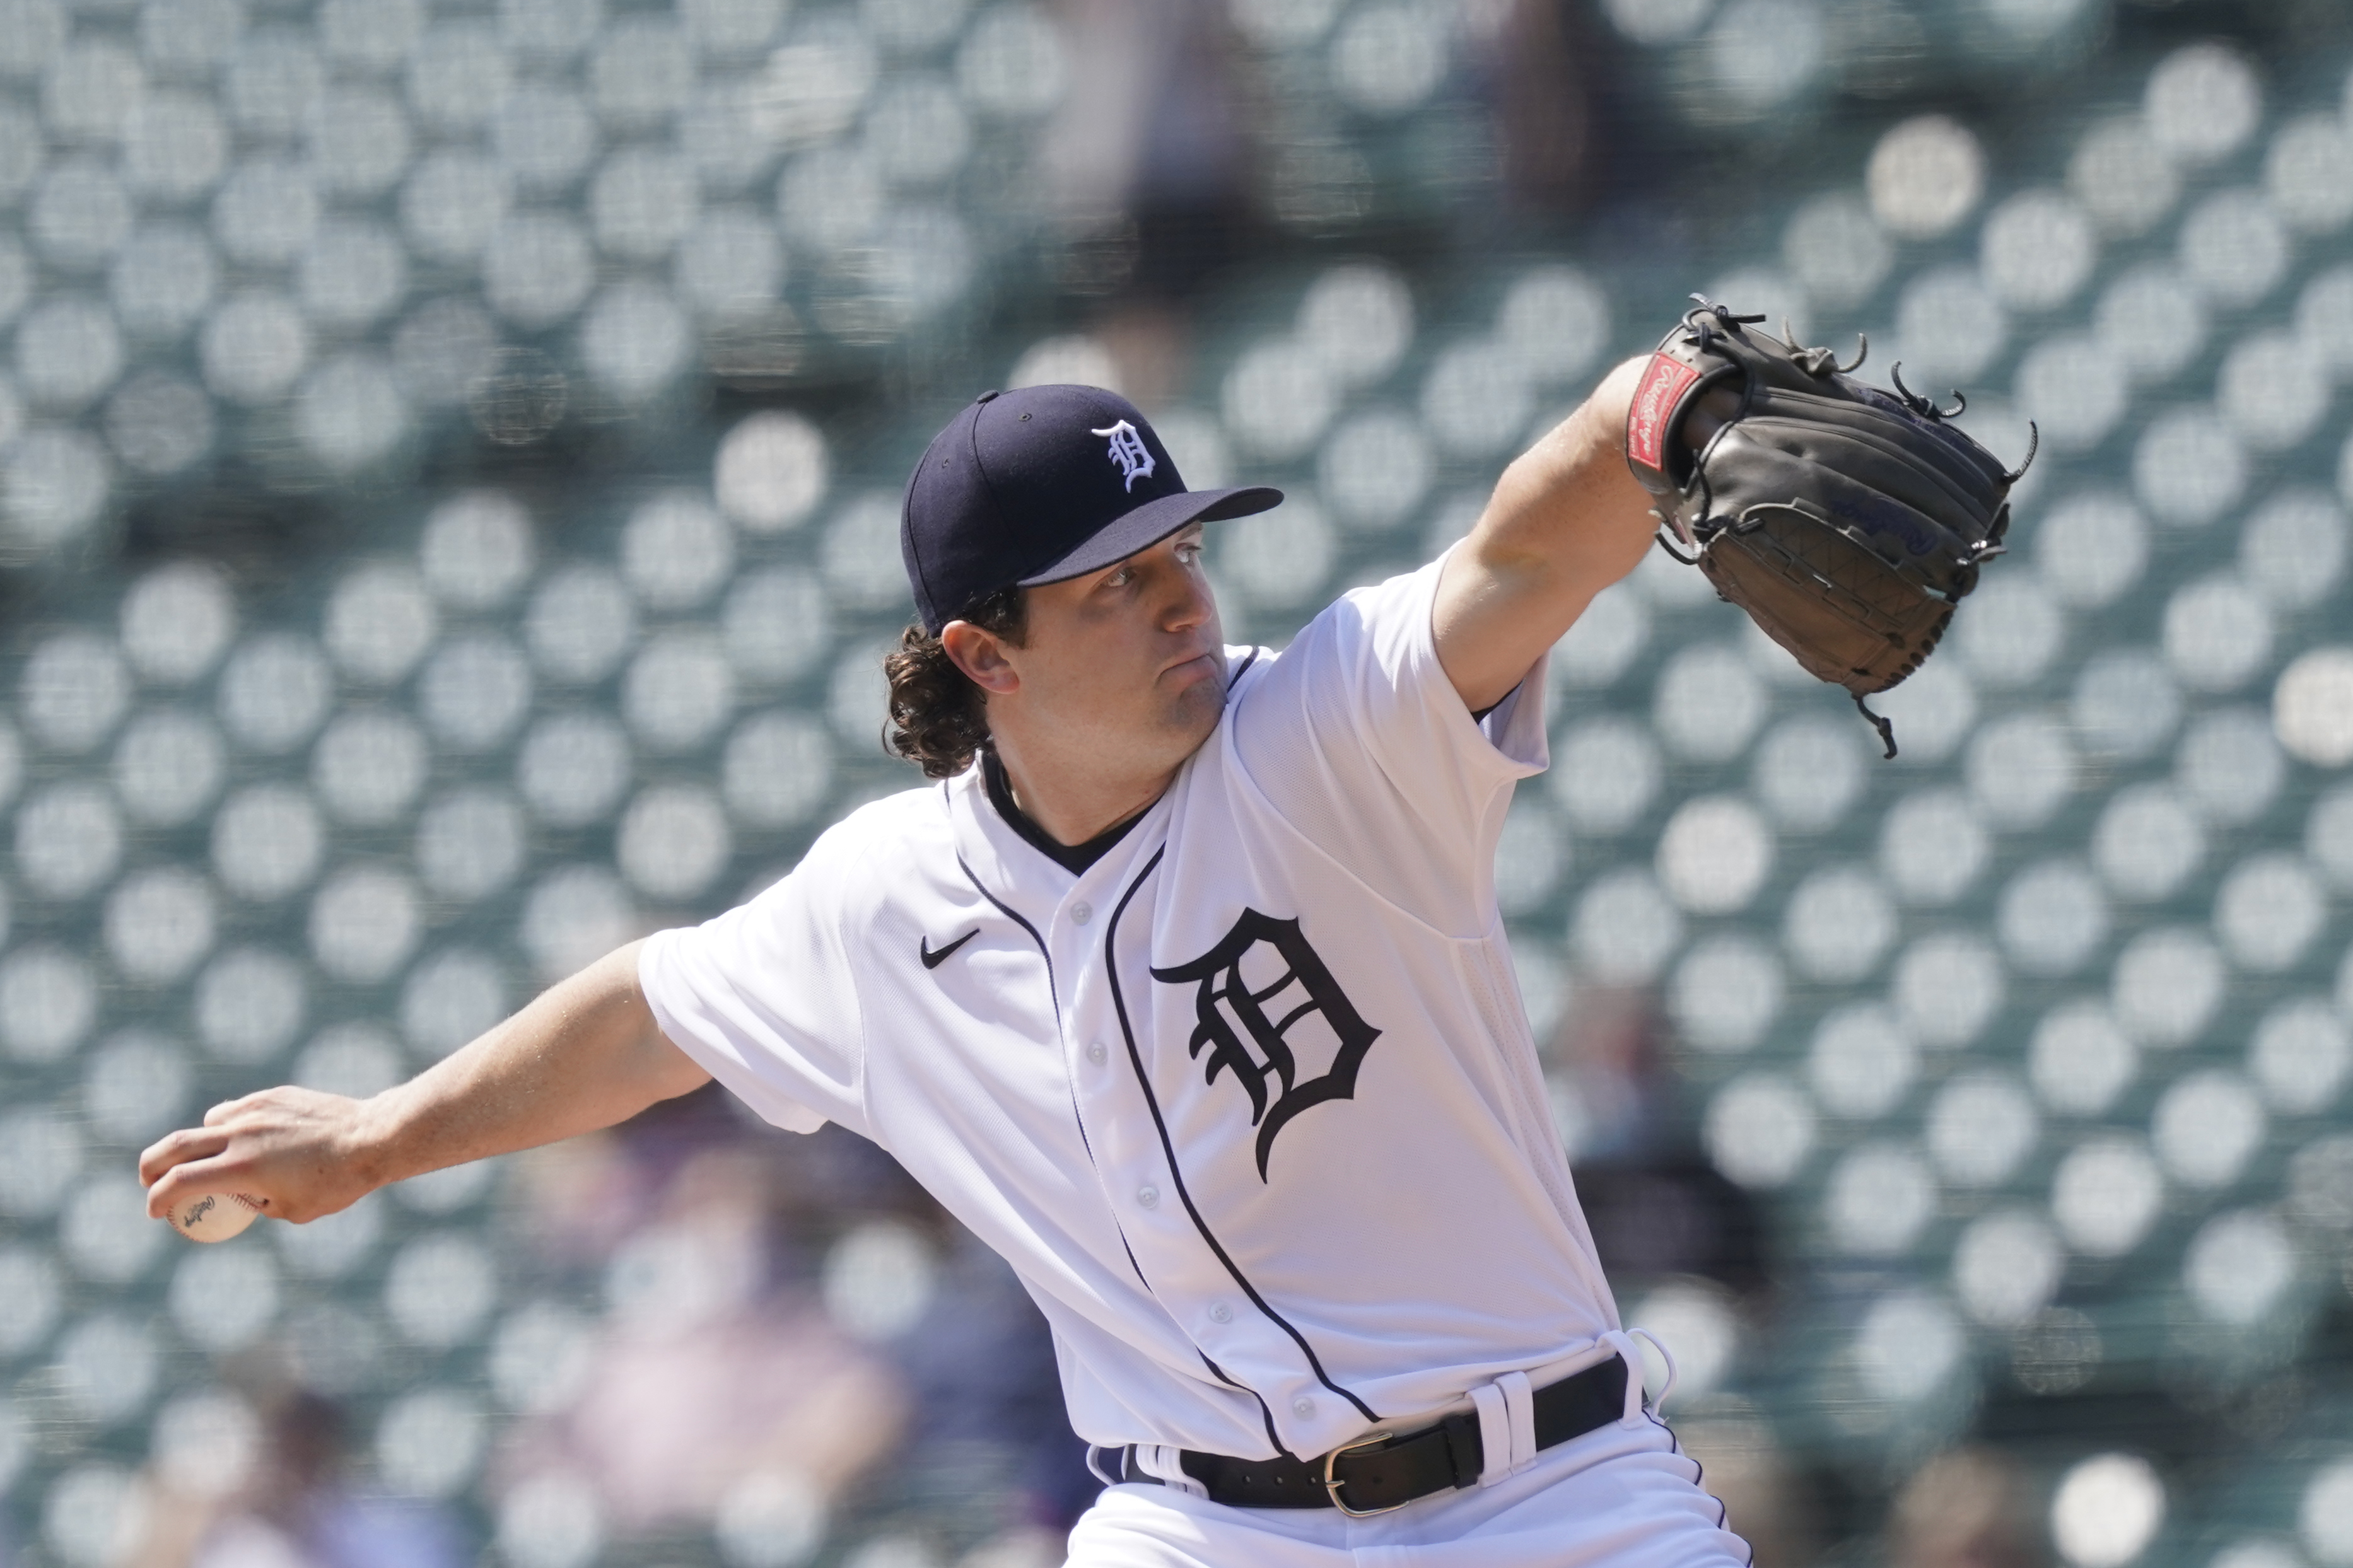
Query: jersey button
1081	912
1148	1196
1096	1054
1222	1313
1303	1405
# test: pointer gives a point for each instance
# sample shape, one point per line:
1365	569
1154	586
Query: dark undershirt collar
1072	857
1075	859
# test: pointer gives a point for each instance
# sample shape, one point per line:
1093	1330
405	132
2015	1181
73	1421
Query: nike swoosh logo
933	960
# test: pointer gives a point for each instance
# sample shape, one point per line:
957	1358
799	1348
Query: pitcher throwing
1183	986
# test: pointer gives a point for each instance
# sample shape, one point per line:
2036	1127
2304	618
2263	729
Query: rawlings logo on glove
1847	520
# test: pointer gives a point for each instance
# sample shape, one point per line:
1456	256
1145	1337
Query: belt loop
1159	1462
1666	1355
1620	1341
1520	1402
1096	1468
1495	1434
1507	1426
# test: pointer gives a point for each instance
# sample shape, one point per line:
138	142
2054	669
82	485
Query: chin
1196	712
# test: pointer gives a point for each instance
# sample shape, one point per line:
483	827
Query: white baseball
215	1217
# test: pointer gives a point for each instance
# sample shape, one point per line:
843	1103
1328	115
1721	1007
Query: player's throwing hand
294	1153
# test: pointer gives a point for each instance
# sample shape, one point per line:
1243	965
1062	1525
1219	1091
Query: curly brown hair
939	718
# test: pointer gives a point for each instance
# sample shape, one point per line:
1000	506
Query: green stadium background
450	457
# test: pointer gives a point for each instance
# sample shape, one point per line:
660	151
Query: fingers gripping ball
1847	520
215	1217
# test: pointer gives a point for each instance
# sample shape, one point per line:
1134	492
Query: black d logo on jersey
1257	970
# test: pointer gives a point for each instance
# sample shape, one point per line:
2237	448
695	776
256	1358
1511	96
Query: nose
1191	605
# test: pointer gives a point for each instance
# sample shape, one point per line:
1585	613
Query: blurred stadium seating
449	470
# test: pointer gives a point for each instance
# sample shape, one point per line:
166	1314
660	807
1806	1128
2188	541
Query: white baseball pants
1622	1497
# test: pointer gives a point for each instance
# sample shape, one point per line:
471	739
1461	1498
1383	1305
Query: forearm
1568	507
585	1053
1565	521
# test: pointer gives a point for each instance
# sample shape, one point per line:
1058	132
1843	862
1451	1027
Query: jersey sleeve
1356	736
762	998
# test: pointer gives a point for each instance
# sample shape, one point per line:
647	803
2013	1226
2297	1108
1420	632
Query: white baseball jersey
1251	1104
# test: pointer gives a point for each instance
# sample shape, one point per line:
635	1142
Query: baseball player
1183	985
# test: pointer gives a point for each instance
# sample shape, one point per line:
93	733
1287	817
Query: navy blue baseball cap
1039	485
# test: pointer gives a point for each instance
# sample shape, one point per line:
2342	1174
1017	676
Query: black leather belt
1384	1472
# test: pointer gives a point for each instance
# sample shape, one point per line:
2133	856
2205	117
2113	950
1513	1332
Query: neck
1072	800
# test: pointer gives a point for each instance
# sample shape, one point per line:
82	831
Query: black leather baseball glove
1848	521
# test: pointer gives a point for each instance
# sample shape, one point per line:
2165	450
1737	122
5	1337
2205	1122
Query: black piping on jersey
1014	915
1168	1148
1084	1141
1264	1414
1248	660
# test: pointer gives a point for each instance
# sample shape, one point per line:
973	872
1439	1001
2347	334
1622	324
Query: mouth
1200	666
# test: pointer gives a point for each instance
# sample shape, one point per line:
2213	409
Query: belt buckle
1332	1483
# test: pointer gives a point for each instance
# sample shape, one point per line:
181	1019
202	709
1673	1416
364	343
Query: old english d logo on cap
1040	484
1128	450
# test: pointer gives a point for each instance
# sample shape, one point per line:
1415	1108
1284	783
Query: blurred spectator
298	1507
1150	162
1544	60
737	1348
1743	1466
709	1367
1968	1508
988	1416
1657	1206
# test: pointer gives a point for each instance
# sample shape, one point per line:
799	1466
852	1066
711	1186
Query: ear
981	656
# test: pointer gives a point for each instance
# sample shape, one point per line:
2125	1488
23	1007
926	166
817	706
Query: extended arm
585	1053
1566	521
